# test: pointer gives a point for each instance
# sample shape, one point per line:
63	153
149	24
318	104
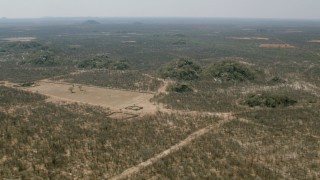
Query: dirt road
226	117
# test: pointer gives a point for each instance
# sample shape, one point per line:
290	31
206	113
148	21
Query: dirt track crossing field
127	173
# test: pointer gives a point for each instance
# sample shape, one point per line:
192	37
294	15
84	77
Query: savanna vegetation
198	72
40	139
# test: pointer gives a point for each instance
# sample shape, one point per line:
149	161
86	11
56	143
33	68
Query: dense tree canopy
231	71
103	62
182	68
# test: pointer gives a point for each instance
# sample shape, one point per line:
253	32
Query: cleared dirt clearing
19	39
111	98
276	46
249	38
314	41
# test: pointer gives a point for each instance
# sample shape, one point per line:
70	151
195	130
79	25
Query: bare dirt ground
250	38
276	46
115	100
124	104
164	85
19	39
314	41
291	30
135	169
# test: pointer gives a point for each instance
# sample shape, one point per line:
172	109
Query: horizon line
159	17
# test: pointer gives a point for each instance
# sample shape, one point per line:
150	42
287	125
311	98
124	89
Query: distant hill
91	22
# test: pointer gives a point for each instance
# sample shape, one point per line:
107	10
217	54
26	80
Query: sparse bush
103	62
10	71
119	65
132	80
277	80
25	45
27	84
178	88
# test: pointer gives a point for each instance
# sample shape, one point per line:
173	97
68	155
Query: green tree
183	68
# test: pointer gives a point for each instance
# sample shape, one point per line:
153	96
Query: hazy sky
292	9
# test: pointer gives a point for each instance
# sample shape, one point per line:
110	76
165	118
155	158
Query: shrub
119	65
2	50
269	99
91	22
277	80
27	84
180	42
179	88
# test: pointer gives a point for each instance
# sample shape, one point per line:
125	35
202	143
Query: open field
250	38
116	100
276	46
19	39
160	99
314	41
